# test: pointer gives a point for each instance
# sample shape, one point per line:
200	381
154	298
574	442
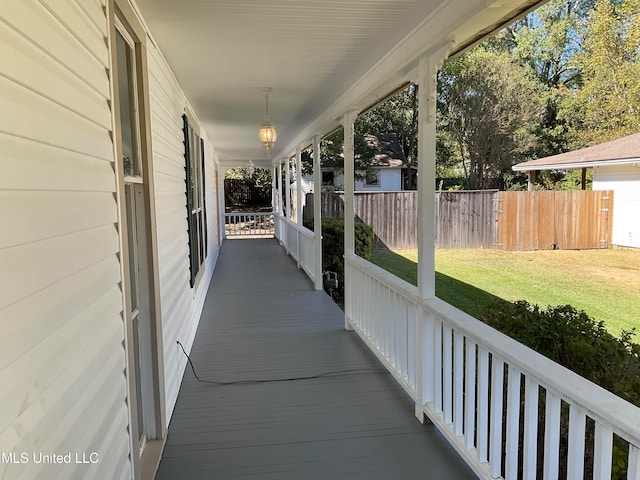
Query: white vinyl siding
624	180
389	181
181	305
62	367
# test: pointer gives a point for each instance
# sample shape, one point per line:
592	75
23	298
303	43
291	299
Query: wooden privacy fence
463	219
484	219
549	220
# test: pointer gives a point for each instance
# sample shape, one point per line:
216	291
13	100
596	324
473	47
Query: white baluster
575	454
551	436
483	405
448	373
458	381
470	395
633	467
497	399
603	451
513	423
530	448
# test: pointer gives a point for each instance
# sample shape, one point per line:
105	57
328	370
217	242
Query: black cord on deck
290	379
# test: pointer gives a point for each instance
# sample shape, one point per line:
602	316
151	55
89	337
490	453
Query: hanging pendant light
267	133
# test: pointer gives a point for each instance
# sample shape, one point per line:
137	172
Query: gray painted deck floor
263	320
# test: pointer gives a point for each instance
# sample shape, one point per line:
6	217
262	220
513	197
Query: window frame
326	173
195	197
369	178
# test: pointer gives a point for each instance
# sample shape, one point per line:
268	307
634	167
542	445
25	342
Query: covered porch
263	320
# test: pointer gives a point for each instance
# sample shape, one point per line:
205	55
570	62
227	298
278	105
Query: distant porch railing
510	412
299	242
251	224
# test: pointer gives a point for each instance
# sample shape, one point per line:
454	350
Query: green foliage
491	105
573	339
583	345
260	177
333	244
563	180
609	99
397	114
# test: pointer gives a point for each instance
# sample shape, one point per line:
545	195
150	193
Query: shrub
580	343
333	244
573	339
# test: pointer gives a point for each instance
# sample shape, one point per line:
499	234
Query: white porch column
317	211
427	82
299	186
349	213
221	174
280	210
287	186
274	200
424	321
280	187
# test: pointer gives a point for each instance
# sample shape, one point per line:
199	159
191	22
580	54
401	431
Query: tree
491	105
547	40
610	60
261	177
397	114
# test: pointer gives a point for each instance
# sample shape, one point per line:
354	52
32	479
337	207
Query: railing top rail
302	229
603	406
403	287
233	214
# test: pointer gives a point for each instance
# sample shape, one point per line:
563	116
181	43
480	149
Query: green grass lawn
603	283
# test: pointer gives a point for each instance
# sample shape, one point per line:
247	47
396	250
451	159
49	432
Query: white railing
494	399
252	224
306	250
299	242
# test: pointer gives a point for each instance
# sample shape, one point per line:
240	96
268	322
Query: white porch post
223	227
287	181
317	211
349	213
280	189
280	210
299	186
274	200
425	322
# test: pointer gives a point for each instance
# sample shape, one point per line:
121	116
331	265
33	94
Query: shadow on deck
263	320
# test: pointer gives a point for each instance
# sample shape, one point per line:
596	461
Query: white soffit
311	52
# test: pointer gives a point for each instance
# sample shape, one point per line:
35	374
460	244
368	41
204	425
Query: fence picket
470	219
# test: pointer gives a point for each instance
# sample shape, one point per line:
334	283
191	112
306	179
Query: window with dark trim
372	177
195	191
327	178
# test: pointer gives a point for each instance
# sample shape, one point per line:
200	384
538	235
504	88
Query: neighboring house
616	166
385	168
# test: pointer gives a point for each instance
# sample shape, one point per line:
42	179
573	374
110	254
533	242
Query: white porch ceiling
321	57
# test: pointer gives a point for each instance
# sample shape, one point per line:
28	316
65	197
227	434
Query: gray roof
389	152
385	148
622	151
